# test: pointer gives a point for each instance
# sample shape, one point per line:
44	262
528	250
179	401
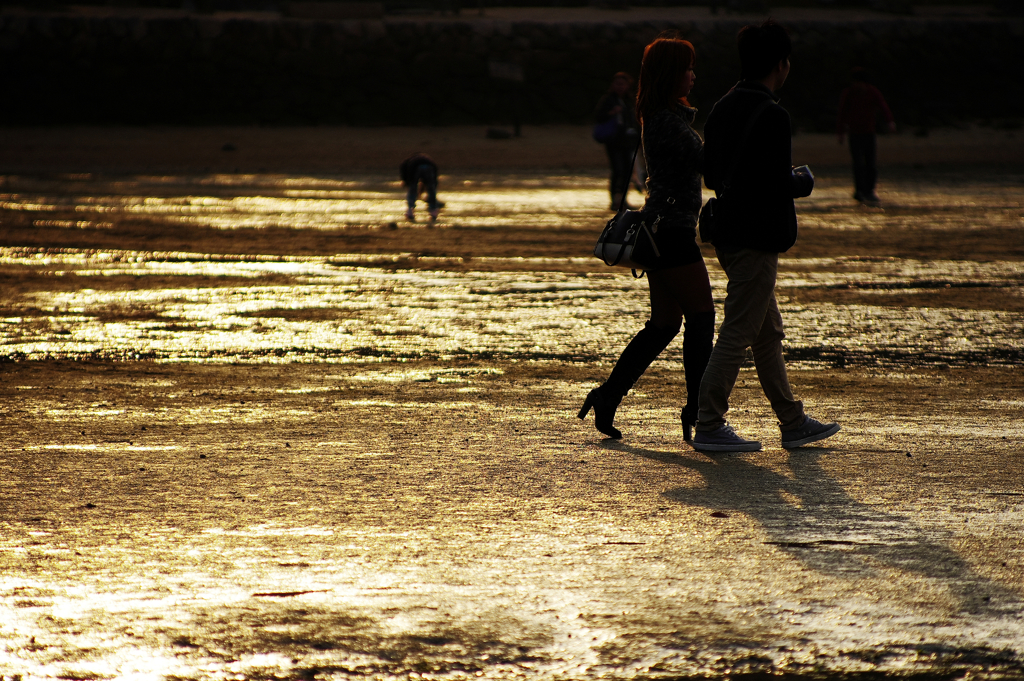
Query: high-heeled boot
646	345
698	342
604	412
688	417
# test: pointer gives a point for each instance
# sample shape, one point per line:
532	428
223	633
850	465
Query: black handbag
708	220
627	240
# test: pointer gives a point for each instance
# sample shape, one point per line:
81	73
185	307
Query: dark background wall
63	68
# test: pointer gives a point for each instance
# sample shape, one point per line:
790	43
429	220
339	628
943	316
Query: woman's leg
674	293
634	360
647	344
678	292
645	347
686	291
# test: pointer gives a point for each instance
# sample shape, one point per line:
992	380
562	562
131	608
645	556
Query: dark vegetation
202	65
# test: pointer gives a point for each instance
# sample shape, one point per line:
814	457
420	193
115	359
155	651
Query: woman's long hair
665	62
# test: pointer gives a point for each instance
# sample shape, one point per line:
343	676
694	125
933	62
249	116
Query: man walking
747	161
859	106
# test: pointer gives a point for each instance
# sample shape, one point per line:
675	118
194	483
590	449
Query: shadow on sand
808	514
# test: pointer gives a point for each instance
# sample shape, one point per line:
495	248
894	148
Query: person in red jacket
859	107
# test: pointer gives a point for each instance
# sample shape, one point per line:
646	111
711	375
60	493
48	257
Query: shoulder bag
627	239
605	131
708	219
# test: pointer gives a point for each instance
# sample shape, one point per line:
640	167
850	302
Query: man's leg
871	166
771	369
857	154
797	428
410	199
750	291
428	176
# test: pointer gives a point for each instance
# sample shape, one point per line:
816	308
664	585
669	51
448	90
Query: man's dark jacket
757	210
407	170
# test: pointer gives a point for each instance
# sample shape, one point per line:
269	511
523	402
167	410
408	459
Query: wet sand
260	426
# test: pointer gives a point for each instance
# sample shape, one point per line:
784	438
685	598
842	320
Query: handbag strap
629	175
743	140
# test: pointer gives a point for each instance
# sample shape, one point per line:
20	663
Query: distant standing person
616	111
419	173
747	162
678	281
859	107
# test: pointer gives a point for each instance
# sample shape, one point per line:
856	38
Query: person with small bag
617	129
677	278
747	162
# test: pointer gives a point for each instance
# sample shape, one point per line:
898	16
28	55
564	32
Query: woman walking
678	281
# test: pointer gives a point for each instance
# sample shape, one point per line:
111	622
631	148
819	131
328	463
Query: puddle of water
348	313
318	203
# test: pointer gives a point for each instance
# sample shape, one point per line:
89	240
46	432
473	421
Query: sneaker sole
811	438
703	447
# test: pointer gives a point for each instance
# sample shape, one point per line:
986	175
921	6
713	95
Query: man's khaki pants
752	320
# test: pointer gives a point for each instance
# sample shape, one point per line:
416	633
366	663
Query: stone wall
194	69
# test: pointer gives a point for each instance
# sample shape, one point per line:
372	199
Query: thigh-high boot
646	345
698	341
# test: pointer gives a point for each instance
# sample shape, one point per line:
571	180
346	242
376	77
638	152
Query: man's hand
803	182
892	126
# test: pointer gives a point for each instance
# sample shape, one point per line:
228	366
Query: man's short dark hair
762	48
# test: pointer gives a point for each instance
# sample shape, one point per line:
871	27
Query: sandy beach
257	425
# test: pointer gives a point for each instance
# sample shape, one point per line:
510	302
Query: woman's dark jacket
757	210
675	154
